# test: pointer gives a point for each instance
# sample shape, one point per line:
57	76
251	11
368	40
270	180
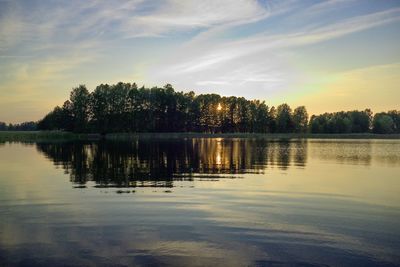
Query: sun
219	107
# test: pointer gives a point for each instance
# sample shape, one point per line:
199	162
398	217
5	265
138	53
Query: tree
343	125
383	124
300	119
99	108
342	122
272	126
284	119
209	113
193	112
80	98
3	126
314	125
54	120
261	123
395	115
24	126
360	120
123	107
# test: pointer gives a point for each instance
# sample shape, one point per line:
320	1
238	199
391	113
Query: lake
200	202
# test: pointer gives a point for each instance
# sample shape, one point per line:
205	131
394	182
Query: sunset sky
327	55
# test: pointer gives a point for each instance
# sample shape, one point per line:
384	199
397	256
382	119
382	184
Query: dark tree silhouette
300	119
124	107
383	123
25	126
80	103
284	119
342	122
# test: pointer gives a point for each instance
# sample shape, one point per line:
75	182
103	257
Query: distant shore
28	136
61	135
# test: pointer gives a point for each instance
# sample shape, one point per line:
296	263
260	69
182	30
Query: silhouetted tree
395	115
272	120
300	119
80	99
383	124
124	107
284	119
3	126
342	122
24	126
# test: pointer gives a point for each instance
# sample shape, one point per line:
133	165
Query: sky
327	55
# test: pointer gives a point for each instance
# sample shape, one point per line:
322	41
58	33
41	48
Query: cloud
258	63
74	20
43	43
42	31
347	26
326	6
178	15
241	47
228	51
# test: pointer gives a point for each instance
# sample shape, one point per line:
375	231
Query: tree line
356	122
124	107
24	126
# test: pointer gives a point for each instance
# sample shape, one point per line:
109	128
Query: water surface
200	202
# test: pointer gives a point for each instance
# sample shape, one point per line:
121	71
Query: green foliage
395	115
25	126
31	136
383	124
300	119
80	100
124	107
341	122
284	119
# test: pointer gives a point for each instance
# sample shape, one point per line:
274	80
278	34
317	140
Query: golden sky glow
327	55
375	87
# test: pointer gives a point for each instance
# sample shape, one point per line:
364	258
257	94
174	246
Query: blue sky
327	55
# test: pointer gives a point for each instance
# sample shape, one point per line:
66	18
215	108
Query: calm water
201	202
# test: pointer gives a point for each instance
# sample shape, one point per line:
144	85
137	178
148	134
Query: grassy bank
127	136
32	136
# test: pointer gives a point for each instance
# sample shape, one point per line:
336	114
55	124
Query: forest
124	107
25	126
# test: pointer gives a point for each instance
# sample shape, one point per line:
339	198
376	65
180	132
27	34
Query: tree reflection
158	163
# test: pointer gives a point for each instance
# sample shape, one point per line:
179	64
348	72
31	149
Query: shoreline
68	136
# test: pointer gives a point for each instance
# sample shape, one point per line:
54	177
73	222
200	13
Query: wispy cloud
178	15
75	20
348	26
259	61
226	51
76	28
242	47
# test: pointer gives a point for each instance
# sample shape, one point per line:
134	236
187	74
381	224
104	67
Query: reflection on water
200	202
159	162
357	151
